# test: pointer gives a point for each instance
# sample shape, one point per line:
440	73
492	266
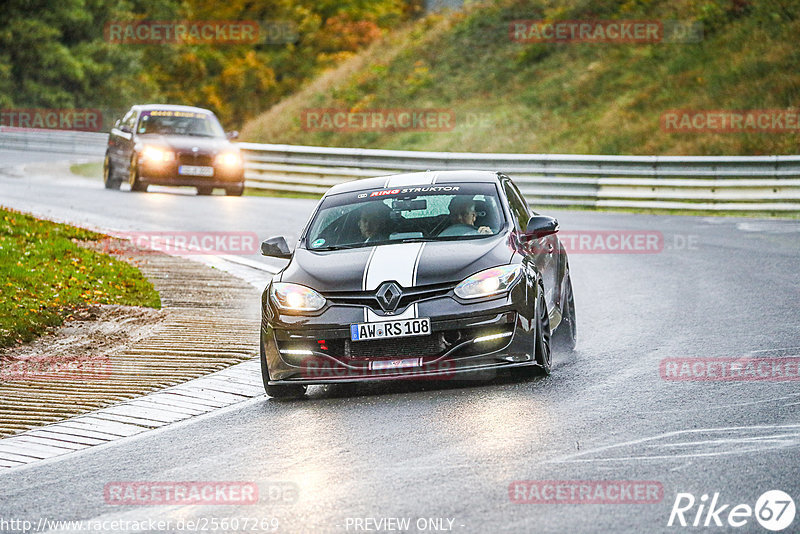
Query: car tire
566	334
544	353
136	184
235	191
281	392
204	190
109	181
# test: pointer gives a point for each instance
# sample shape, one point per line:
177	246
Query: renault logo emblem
388	295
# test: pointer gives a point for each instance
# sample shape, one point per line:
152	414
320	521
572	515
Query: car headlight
297	298
155	154
489	282
229	159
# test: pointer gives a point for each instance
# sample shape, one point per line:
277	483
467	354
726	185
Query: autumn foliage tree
54	54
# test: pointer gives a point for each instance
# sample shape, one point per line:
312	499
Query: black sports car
426	275
172	145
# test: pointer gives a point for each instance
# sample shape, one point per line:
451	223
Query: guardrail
59	141
741	183
708	183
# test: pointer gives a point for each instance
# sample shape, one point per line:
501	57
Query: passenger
462	218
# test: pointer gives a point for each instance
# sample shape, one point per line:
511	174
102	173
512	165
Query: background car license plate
196	170
402	328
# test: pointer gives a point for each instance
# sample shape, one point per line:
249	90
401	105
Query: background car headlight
489	282
157	155
294	297
229	159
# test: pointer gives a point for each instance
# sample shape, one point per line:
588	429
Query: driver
374	222
462	218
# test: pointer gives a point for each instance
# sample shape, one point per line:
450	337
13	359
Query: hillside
564	97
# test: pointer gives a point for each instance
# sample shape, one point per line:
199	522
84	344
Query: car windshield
179	123
419	213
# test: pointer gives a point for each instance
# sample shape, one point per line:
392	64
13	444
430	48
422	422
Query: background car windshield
178	123
345	221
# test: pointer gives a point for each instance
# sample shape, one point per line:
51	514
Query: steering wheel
459	229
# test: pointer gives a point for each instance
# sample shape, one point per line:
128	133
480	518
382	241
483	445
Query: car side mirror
125	128
540	226
232	135
276	247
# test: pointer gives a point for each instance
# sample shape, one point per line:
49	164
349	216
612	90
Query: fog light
492	337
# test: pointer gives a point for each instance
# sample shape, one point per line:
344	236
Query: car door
121	141
128	136
542	251
113	148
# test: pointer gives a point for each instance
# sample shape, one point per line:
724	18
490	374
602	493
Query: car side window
519	208
130	120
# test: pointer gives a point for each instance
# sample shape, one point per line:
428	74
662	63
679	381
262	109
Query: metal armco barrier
60	141
731	183
715	183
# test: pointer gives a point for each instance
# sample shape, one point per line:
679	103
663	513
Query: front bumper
312	350
167	174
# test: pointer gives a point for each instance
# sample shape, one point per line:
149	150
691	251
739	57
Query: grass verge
46	276
566	97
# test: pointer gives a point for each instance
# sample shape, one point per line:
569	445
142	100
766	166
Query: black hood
408	264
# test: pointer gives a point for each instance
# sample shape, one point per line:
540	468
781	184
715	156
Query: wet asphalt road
721	287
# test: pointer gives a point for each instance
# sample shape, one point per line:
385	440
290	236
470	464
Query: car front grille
407	347
432	345
370	298
189	158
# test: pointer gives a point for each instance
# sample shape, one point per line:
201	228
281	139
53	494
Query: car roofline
417	179
170	107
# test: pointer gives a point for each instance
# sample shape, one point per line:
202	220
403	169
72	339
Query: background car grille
195	159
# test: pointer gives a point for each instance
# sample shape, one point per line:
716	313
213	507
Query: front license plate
395	364
402	328
196	170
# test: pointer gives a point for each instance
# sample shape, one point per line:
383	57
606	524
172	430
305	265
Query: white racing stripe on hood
392	262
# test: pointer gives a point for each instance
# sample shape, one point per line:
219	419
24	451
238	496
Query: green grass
88	170
45	276
572	98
